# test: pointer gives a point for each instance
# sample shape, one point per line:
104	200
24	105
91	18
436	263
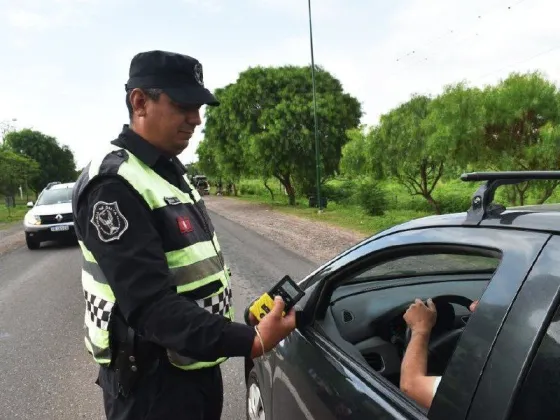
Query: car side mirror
30	204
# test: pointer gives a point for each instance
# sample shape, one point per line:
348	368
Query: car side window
538	395
435	263
368	303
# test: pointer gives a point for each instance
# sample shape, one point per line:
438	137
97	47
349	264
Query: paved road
44	370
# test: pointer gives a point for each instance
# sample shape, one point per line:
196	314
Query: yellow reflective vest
195	263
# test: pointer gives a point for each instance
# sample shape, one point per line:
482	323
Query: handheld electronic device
286	288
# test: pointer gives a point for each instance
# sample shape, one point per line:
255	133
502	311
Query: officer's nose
193	117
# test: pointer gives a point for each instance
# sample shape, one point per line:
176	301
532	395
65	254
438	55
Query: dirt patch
11	238
317	241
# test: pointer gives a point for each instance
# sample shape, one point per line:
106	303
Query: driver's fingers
431	305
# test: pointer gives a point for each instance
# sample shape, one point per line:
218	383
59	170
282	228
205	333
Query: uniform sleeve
437	381
129	252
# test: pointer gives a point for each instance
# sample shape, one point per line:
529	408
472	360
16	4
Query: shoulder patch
109	221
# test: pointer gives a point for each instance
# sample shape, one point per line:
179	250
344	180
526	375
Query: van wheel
255	406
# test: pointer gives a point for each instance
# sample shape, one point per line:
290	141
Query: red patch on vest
184	224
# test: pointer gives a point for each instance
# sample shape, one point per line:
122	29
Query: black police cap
179	76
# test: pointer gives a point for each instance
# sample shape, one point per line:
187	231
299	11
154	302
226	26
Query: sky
64	63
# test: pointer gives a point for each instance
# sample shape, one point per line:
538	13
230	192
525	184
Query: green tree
516	111
56	163
544	154
265	125
456	123
354	160
223	138
15	171
406	152
193	169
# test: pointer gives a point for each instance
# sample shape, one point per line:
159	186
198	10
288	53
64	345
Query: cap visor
191	95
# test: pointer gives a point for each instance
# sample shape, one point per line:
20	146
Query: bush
453	202
247	188
372	198
341	192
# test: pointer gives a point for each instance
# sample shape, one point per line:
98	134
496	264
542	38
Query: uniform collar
139	147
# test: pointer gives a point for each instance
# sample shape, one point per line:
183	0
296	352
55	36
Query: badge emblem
58	218
198	74
109	221
172	201
184	224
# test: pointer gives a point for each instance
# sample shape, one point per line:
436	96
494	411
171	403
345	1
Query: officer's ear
138	99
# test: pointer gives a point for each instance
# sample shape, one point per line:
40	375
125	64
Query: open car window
367	306
426	264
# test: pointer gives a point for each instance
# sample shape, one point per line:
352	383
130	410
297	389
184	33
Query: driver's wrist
421	331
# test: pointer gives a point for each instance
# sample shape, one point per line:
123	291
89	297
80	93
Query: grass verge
11	216
346	216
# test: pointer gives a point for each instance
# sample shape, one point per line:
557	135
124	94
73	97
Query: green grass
9	217
453	196
13	215
346	216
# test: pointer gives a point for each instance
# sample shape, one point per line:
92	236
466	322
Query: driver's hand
421	317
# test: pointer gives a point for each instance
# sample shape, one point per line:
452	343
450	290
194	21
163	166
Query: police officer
159	314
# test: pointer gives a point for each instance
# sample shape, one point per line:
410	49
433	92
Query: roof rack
50	184
482	204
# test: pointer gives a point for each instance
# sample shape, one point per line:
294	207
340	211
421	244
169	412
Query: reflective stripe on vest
191	267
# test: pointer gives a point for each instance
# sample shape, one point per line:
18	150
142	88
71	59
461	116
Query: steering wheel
444	335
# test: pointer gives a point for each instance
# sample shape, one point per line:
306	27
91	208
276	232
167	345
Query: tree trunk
291	195
548	191
269	189
285	180
521	191
433	203
430	173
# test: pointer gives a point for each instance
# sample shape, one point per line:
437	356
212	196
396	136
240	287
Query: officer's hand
273	328
252	319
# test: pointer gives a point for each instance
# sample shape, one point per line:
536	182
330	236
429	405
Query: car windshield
419	265
58	196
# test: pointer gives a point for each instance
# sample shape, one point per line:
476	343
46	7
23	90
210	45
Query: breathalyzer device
286	288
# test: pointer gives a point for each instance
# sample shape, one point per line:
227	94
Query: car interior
365	315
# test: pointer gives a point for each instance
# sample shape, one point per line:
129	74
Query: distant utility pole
317	153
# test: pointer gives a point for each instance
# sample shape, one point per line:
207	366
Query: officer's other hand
274	327
420	317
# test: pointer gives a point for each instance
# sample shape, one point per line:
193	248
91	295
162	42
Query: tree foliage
265	126
15	171
407	153
455	121
354	162
517	109
56	163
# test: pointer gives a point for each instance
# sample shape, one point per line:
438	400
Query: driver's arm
414	380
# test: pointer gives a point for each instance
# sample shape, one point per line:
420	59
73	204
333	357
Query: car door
522	377
314	378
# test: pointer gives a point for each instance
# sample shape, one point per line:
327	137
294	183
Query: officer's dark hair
151	93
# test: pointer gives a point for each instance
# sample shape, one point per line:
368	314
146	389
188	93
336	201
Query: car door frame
520	337
472	351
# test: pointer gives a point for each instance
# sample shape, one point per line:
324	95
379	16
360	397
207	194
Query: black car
501	362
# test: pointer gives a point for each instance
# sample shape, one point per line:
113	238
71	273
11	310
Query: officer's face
168	125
